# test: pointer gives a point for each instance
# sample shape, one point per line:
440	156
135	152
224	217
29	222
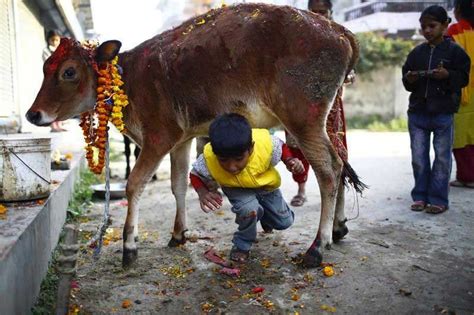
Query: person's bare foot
58	130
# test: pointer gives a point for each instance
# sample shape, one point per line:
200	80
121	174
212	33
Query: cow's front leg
179	186
148	160
339	229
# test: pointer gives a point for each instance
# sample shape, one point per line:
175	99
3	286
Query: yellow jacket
258	173
463	34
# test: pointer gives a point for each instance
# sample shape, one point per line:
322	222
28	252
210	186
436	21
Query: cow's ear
108	50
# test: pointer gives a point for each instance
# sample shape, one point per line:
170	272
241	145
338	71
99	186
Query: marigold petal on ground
328	271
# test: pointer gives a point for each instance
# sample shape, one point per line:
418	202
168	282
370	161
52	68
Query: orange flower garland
111	99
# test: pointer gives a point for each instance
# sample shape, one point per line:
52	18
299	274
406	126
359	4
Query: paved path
393	260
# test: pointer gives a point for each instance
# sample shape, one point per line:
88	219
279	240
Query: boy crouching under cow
242	161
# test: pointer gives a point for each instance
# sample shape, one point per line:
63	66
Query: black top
433	96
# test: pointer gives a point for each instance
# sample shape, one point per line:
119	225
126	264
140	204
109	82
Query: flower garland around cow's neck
111	99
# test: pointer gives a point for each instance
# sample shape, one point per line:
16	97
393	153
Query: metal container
117	190
25	167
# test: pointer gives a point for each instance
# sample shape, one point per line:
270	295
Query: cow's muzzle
36	118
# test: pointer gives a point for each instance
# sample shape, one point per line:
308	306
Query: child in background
434	73
241	160
463	147
53	38
336	123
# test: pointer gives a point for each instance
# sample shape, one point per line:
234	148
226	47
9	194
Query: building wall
7	53
21	45
31	42
382	93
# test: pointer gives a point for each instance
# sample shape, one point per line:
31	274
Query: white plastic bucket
25	167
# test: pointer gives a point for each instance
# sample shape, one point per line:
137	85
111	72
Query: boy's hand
295	166
209	200
440	73
411	76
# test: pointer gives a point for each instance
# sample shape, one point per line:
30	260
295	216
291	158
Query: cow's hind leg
179	185
339	229
147	162
327	167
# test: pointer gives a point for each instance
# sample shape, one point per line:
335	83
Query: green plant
46	302
82	194
376	52
377	123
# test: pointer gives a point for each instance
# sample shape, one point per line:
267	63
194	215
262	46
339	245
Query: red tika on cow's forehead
61	53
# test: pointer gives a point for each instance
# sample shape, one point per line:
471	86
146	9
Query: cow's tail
350	177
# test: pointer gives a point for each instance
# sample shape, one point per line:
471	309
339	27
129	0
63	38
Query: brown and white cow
273	64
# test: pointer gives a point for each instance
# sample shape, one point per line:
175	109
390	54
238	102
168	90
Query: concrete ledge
28	236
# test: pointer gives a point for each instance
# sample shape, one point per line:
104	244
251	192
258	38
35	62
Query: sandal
435	209
298	201
456	183
239	255
418	205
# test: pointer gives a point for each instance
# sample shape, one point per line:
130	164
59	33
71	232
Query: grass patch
377	123
81	199
82	194
46	302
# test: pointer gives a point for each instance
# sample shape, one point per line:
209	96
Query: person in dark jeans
434	73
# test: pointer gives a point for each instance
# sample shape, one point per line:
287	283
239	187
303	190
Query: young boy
434	73
241	160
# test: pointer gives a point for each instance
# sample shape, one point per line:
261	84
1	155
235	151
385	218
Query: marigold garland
111	99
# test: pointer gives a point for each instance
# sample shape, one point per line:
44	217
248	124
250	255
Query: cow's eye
69	73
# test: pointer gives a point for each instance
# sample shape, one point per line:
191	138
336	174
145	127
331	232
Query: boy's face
235	165
54	40
432	30
320	8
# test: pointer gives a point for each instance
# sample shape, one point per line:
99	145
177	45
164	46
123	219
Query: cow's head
69	84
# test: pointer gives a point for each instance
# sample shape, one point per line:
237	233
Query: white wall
31	42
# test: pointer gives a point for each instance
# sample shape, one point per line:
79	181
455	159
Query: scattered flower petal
258	290
207	307
328	271
265	263
233	272
126	303
328	308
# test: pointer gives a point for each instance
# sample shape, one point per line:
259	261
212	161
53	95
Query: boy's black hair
52	33
437	13
465	9
231	135
326	2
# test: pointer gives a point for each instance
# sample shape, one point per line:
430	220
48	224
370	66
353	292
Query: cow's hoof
174	242
312	258
339	234
129	258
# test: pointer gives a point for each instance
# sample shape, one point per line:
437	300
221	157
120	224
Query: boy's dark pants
431	183
252	205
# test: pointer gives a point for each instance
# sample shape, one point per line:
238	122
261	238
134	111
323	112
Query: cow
276	65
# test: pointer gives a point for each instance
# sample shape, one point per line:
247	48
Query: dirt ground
393	260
